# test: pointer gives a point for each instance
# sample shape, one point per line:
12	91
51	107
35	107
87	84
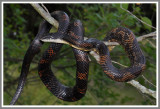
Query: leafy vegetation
21	23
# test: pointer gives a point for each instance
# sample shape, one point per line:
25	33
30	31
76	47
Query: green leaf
148	21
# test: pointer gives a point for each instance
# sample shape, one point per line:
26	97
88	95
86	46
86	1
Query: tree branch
134	83
45	15
139	39
53	22
142	88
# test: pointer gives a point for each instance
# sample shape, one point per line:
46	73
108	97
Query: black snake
72	34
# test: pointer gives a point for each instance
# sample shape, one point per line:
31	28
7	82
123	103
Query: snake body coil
72	34
47	76
124	37
35	47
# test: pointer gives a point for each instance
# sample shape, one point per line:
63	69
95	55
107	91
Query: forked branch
134	83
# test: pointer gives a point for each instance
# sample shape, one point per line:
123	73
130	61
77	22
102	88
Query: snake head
53	37
63	21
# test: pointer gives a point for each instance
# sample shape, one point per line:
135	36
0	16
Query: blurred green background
21	23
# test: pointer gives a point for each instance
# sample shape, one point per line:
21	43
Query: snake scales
72	34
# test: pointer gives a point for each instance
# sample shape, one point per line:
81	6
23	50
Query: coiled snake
72	34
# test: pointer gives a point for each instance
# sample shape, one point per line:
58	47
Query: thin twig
148	80
119	64
150	35
136	17
45	8
154	46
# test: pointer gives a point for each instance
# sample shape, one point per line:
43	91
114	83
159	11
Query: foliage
21	23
